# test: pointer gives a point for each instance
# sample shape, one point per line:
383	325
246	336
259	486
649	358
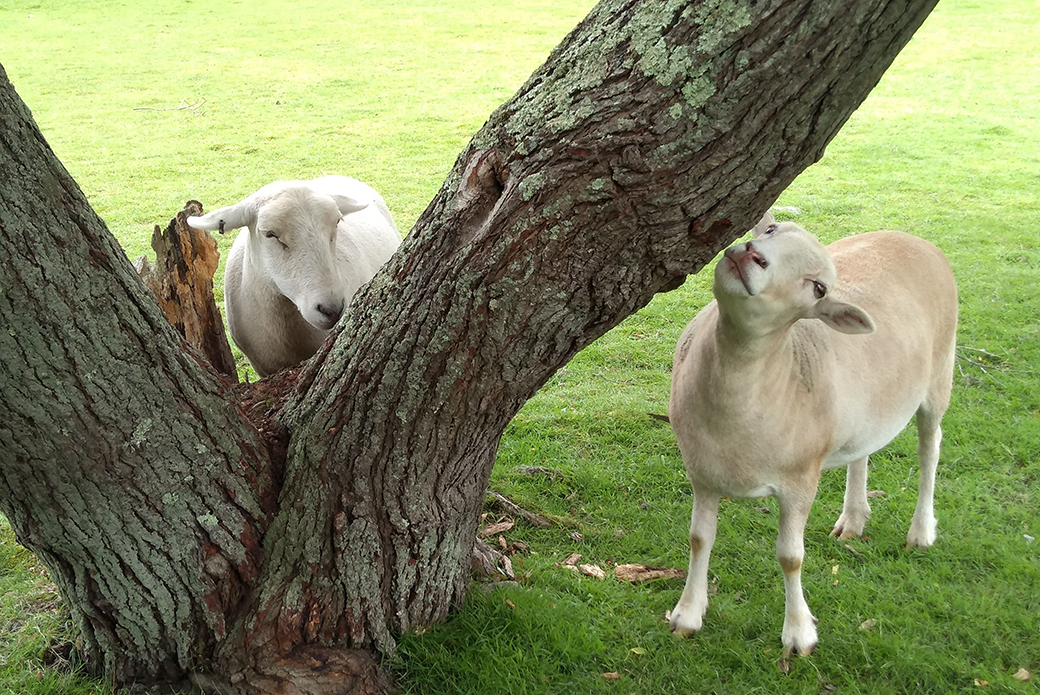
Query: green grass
947	147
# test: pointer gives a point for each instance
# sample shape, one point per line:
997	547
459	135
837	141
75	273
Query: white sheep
763	401
306	249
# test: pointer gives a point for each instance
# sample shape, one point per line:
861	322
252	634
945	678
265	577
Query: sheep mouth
732	255
325	323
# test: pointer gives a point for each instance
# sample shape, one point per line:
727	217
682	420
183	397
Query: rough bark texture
124	464
182	281
655	134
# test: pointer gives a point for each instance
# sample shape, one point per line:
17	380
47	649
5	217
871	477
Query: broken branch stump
182	281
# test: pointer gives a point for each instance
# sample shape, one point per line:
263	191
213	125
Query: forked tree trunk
654	135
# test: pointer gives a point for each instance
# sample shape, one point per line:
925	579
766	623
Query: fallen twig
511	507
635	573
185	106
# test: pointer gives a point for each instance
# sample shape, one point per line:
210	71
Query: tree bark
654	135
125	465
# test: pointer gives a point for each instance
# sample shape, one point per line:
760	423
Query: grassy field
947	147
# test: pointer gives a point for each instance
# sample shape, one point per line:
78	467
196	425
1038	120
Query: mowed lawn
148	106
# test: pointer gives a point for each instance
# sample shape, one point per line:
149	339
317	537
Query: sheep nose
331	311
756	256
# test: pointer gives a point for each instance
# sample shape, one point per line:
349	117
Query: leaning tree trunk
655	133
124	464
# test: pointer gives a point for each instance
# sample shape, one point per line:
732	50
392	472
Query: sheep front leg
688	614
799	634
856	509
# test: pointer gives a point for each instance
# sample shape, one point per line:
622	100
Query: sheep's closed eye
819	289
272	235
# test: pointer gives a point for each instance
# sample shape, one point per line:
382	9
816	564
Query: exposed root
489	563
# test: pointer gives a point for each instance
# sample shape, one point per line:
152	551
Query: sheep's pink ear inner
347	204
844	317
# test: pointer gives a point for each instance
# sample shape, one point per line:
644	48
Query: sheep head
784	274
292	245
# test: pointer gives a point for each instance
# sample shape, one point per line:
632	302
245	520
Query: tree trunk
655	134
125	465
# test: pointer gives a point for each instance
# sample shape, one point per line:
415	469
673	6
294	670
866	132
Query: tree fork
654	134
652	137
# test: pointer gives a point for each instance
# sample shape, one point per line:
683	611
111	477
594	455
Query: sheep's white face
295	237
782	275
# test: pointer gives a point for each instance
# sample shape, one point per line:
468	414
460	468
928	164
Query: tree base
307	670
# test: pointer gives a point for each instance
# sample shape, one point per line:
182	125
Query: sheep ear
844	317
347	204
242	214
763	225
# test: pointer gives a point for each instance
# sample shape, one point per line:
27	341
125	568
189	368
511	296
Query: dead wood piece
182	280
635	573
510	507
489	563
571	560
594	571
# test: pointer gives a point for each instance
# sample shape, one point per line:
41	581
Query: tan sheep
762	400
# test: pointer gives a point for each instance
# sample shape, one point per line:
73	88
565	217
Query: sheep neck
759	366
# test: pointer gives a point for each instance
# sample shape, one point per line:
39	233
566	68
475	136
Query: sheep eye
272	235
770	229
819	289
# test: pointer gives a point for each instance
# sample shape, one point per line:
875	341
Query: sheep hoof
680	625
921	535
849	526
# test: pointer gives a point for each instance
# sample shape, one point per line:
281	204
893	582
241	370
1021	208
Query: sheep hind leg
688	615
856	509
929	437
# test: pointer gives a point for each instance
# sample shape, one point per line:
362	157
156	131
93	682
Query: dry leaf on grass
868	625
594	571
495	529
635	573
1022	675
612	676
572	559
